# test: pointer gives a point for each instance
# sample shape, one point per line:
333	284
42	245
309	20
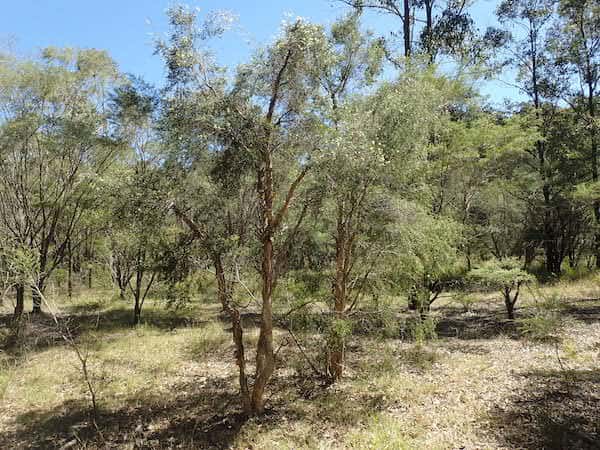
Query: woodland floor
171	383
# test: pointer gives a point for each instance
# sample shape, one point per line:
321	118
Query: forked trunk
510	302
265	358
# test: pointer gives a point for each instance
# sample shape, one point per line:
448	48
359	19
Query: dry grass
170	383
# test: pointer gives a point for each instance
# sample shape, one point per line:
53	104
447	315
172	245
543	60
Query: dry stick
303	353
68	338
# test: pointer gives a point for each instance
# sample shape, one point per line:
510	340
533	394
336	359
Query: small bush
339	330
539	327
420	357
546	321
465	300
421	330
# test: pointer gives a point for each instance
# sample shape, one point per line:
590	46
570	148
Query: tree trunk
20	301
36	298
510	302
594	157
70	270
265	359
429	31
510	307
336	357
137	311
224	296
137	291
222	287
240	358
406	29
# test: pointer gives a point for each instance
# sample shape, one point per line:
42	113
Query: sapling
505	275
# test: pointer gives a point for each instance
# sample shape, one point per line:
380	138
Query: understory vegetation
338	244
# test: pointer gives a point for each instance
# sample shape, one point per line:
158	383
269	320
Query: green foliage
422	329
547	320
338	332
501	274
466	300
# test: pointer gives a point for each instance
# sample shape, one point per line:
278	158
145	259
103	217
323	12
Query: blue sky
126	28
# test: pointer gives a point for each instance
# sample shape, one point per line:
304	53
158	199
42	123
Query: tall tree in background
575	41
429	27
531	20
54	142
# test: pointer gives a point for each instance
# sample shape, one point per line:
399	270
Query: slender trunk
137	292
224	295
510	302
265	359
594	156
20	301
429	31
70	270
406	29
240	356
89	278
222	288
336	358
137	311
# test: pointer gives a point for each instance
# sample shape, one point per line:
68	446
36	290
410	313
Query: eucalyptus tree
54	144
350	166
430	27
259	121
278	83
531	20
575	44
138	225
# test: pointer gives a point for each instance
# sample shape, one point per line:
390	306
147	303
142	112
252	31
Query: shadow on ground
202	415
478	324
558	410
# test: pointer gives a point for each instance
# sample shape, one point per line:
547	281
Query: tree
265	121
531	58
138	222
575	44
54	143
428	262
349	168
505	275
431	28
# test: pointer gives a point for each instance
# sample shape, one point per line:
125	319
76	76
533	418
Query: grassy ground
170	383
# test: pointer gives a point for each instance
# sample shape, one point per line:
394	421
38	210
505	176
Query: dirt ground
171	383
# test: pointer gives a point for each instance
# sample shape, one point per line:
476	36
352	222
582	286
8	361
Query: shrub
421	330
465	300
546	321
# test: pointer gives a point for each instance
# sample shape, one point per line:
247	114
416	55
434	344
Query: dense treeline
308	175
